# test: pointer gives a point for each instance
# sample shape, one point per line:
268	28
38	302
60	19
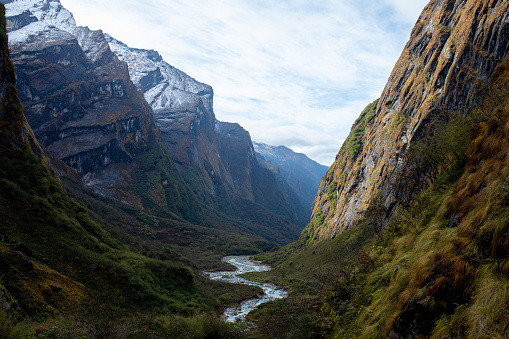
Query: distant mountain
216	159
302	174
89	108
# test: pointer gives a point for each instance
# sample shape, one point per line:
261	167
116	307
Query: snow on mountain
49	12
25	35
29	20
164	86
300	172
93	43
269	151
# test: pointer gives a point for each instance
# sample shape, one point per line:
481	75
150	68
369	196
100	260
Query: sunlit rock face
82	105
183	111
445	66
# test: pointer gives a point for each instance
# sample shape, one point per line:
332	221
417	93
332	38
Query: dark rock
24	261
416	321
6	306
51	290
20	21
454	220
23	248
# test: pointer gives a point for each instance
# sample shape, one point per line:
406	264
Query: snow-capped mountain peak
164	86
28	20
49	12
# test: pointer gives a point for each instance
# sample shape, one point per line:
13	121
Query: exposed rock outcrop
216	159
182	105
250	181
85	110
452	52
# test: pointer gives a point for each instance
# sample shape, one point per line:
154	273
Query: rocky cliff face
250	181
452	52
182	105
216	159
15	133
183	111
84	109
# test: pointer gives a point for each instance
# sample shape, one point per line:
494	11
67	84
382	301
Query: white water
245	265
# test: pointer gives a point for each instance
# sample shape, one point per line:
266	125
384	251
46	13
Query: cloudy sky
292	72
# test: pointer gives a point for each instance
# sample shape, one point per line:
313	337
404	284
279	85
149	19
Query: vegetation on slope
347	160
73	270
159	184
440	269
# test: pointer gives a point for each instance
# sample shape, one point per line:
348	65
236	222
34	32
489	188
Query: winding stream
245	265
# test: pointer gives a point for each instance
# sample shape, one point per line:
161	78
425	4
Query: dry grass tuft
489	313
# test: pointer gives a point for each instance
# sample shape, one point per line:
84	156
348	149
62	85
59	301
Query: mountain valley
119	188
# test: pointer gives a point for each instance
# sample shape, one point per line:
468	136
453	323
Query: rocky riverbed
245	265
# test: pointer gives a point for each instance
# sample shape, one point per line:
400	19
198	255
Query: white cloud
295	73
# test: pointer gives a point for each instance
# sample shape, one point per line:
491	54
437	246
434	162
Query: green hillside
69	271
439	269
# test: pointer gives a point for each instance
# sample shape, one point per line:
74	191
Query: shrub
332	195
198	326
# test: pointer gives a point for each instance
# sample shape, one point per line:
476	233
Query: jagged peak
156	78
149	53
230	130
48	18
50	12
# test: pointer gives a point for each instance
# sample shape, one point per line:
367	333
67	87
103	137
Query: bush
332	195
198	326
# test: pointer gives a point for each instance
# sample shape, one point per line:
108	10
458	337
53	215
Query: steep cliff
251	183
183	111
216	159
84	109
54	256
445	67
301	174
410	233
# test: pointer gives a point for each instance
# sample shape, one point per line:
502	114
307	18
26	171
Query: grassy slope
441	269
59	257
128	269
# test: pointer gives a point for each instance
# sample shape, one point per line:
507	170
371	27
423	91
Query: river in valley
245	265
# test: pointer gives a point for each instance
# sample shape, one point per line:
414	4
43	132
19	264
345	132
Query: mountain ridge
220	172
301	174
426	80
84	109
